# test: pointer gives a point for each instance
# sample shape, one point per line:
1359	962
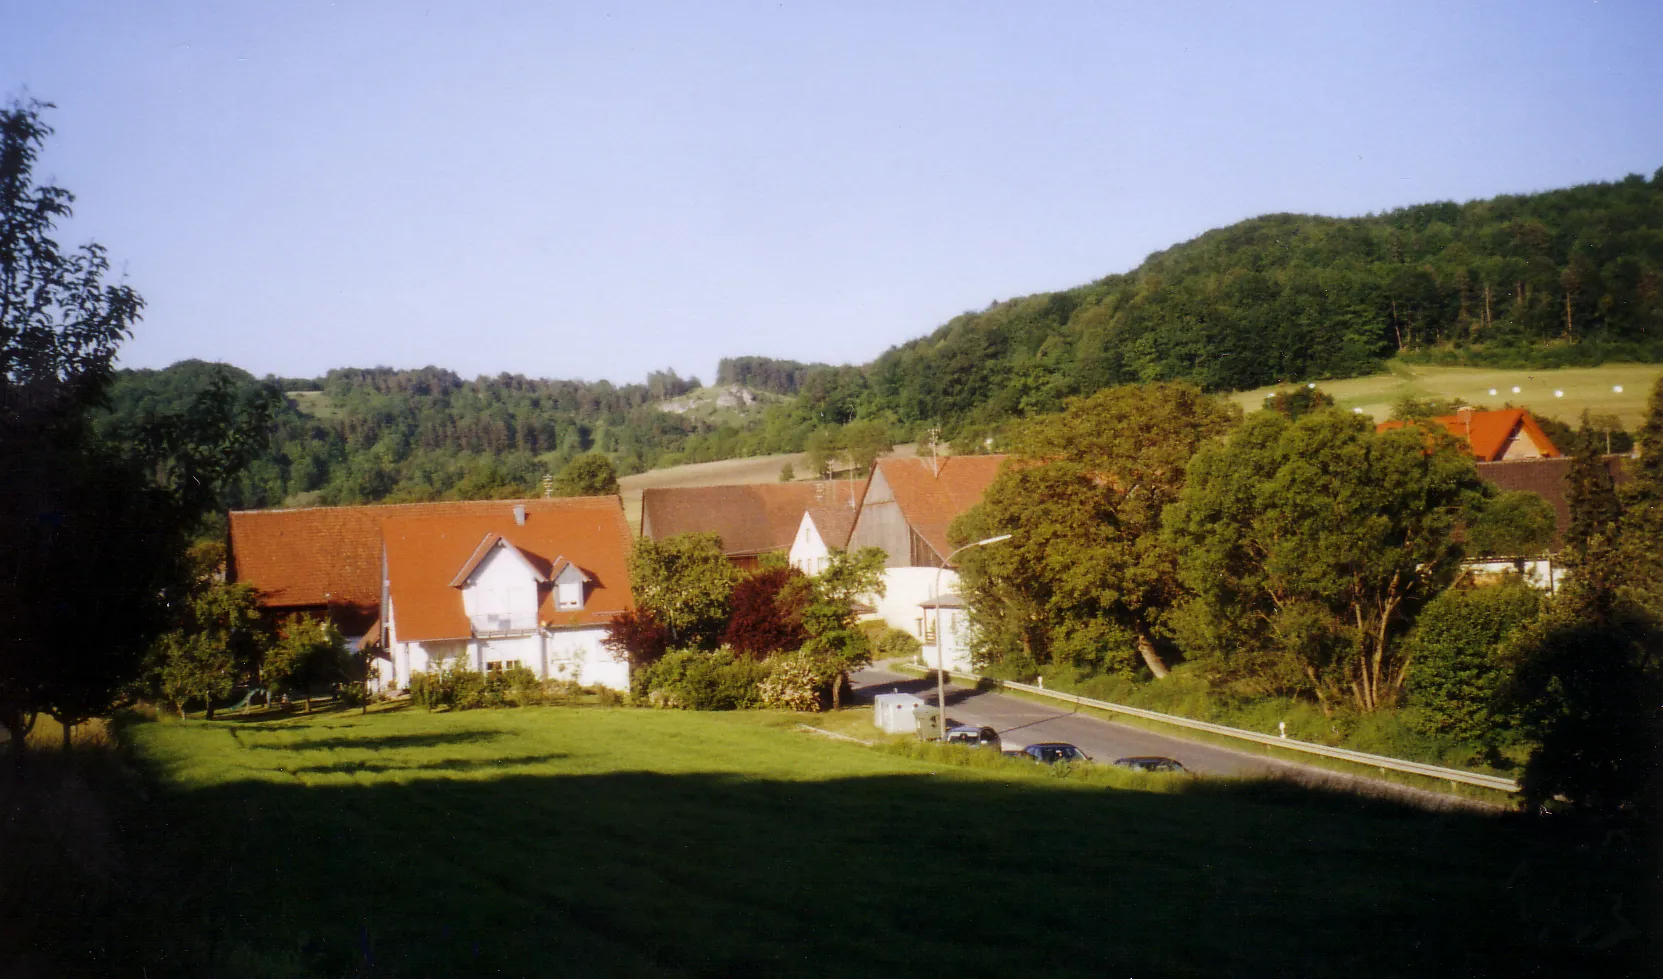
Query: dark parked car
1151	763
974	737
1051	752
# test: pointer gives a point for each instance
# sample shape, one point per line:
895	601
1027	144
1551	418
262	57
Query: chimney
1464	413
519	514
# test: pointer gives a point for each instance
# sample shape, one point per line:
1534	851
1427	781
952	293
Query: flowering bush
799	681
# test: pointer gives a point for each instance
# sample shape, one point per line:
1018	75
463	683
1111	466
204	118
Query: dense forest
1551	279
356	436
1565	277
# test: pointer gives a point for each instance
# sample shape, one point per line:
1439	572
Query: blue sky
598	190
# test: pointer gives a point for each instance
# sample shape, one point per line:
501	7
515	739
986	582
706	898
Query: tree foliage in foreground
1588	673
89	547
1309	547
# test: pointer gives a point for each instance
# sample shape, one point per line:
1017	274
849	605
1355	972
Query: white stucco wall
1539	573
503	584
577	654
955	627
904	588
563	654
808	553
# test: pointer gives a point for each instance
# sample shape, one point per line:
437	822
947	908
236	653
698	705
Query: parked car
1051	752
1151	763
973	736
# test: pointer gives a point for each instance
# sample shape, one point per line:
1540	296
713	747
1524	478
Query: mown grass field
1588	388
561	841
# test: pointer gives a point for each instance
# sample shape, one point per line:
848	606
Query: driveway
1023	722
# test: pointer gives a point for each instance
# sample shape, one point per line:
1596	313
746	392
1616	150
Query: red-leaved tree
766	614
638	637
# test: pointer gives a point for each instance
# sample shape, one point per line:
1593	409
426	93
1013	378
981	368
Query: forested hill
366	435
1292	297
1567	276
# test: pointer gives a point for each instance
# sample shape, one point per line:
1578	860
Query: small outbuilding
894	713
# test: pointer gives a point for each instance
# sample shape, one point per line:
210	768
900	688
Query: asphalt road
1023	722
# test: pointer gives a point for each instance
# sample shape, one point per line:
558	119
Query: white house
822	530
534	590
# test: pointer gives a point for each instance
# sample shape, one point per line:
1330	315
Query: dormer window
569	585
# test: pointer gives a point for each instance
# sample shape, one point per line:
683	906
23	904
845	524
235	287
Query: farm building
752	519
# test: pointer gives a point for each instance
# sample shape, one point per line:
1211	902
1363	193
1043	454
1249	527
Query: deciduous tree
591	474
1086	577
686	582
308	653
1317	541
766	613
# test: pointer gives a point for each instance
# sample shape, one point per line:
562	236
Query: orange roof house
909	504
1493	436
431	559
327	560
752	519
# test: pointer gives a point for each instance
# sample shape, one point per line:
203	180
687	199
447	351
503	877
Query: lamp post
940	648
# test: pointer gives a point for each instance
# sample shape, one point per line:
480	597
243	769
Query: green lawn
570	841
1582	387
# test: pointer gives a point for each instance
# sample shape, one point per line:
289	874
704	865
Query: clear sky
598	190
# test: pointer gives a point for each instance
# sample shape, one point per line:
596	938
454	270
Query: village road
1022	722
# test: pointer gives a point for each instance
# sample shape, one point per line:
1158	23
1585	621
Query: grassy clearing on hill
625	842
1584	388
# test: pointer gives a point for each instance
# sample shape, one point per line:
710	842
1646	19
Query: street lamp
940	650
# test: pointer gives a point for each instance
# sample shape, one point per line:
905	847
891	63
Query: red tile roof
750	519
929	500
1487	433
425	552
332	555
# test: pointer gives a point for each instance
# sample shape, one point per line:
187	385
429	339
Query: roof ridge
560	500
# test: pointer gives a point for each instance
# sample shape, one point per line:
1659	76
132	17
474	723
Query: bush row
458	686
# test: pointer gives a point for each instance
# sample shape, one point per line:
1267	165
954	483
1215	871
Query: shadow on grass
442	765
386	742
638	873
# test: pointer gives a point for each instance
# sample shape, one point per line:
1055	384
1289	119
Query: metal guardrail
1291	744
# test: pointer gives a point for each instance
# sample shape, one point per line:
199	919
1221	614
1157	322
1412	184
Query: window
569	595
493	667
499	666
926	627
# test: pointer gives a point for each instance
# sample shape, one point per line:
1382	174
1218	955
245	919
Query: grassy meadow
587	841
1588	388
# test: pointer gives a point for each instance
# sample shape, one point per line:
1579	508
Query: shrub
1456	672
690	679
455	684
521	687
887	642
799	681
